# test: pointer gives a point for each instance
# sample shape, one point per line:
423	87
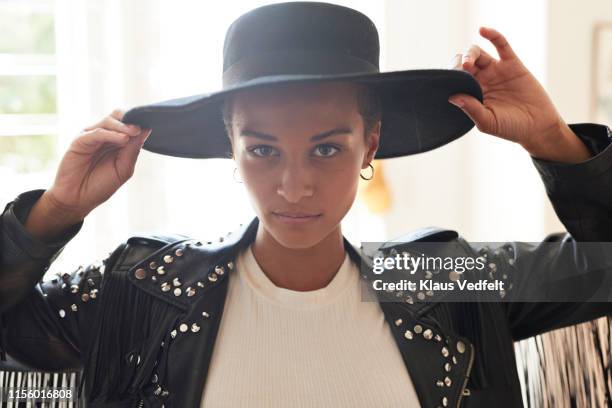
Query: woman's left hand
515	105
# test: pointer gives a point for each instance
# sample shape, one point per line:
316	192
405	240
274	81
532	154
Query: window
28	94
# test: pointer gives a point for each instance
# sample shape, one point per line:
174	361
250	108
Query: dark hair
370	106
368	101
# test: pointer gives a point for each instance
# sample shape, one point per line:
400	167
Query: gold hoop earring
234	176
371	177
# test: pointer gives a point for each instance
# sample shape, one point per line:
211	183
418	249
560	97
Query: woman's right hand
99	161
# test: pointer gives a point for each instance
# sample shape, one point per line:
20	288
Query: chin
299	236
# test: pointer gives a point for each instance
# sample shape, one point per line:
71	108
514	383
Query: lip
295	218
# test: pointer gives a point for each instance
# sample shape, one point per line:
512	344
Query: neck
303	269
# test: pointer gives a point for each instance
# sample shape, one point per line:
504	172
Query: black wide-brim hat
311	42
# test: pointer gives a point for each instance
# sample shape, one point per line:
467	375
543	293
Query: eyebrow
320	136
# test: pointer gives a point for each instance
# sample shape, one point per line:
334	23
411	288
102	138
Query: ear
372	141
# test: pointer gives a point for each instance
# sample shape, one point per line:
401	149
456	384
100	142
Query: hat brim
416	114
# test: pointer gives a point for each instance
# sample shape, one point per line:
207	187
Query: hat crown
302	27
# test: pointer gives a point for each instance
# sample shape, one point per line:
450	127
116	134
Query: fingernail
458	102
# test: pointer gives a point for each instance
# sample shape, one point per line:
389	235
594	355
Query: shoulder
141	246
174	268
425	234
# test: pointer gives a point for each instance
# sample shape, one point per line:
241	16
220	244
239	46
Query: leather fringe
124	345
568	367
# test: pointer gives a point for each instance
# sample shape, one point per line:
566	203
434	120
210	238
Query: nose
295	183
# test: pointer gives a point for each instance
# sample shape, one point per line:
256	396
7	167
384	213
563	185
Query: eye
326	150
263	151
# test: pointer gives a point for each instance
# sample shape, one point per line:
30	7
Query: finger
499	41
477	57
129	154
91	140
484	60
117	119
482	117
117	114
112	123
467	61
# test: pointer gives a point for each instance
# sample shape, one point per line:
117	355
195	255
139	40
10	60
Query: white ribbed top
323	348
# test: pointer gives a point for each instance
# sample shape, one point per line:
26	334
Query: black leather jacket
142	324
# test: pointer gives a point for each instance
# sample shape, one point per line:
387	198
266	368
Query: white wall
570	30
429	188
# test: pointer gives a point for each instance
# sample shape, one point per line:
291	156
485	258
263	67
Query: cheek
339	180
256	178
336	188
339	191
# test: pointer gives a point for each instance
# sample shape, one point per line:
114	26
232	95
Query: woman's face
299	150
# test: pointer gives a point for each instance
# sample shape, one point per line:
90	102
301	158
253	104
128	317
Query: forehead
293	102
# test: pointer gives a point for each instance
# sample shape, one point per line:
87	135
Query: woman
280	299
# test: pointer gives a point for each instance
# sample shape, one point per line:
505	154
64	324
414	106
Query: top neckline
254	276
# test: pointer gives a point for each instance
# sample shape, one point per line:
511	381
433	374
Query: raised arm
575	163
35	316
